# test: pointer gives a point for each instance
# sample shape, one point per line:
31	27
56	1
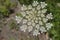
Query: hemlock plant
34	18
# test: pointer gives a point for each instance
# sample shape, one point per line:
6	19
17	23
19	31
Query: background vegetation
6	7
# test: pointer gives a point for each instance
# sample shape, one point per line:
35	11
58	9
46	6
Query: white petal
18	19
42	29
39	18
36	21
45	20
48	25
23	28
35	32
49	16
34	3
43	4
33	24
37	26
40	22
44	10
30	7
38	7
30	28
42	15
39	12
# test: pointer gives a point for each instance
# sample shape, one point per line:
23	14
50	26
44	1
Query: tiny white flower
30	7
33	24
51	39
48	25
35	33
32	21
36	21
18	19
42	15
44	10
45	20
39	12
30	28
58	4
43	4
27	12
24	7
42	29
38	7
30	16
39	18
34	3
49	16
33	9
23	28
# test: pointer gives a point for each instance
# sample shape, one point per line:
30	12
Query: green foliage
55	31
3	10
23	1
26	1
19	14
5	6
12	38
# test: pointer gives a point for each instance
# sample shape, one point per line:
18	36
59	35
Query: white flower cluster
34	18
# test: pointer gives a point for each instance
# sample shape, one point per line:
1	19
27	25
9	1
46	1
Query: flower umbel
34	18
